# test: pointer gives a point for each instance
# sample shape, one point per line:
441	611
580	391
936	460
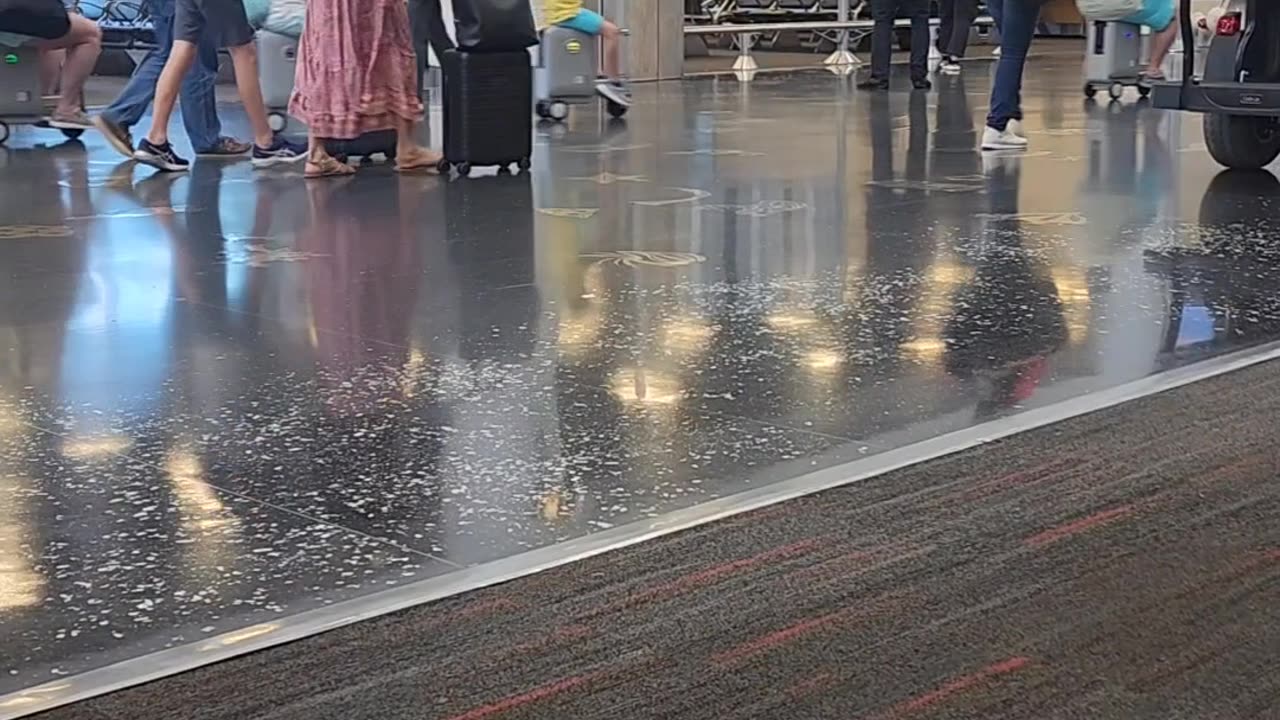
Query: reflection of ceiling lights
202	509
823	360
96	448
641	386
20	586
925	349
1073	291
686	334
240	636
787	321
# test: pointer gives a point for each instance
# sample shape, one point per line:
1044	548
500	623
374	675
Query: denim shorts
1155	14
585	21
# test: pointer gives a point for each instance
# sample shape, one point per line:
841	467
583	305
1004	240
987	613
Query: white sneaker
993	139
996	52
949	67
1015	127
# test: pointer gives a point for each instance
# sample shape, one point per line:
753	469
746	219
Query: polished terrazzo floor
234	396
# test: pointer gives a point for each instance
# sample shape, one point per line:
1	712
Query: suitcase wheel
615	110
552	110
464	169
277	121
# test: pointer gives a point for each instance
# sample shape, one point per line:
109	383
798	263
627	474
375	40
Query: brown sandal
327	167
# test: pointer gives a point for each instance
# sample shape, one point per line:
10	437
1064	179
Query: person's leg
50	69
882	14
1161	43
83	45
611	38
244	59
200	105
946	22
995	8
918	10
321	164
131	104
181	58
958	39
1020	17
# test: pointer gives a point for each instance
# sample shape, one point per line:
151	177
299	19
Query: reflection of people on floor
899	242
1007	320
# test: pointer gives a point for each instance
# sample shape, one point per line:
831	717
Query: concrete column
655	50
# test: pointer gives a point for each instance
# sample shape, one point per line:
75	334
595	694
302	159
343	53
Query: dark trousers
884	12
427	20
955	20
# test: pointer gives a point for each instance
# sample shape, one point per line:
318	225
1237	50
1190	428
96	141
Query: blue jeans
199	106
1016	21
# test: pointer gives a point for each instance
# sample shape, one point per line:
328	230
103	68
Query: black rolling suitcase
488	110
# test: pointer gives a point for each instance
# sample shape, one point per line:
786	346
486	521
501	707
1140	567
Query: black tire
464	169
543	109
1242	142
1090	91
524	164
1144	91
72	133
4	132
444	166
615	110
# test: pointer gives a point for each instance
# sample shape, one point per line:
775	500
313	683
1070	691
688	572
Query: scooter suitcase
488	110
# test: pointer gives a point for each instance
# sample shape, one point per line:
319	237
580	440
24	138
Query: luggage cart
21	102
1115	59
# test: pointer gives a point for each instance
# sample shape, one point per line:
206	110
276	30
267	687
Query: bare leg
82	44
245	61
1161	43
409	154
611	37
181	57
50	68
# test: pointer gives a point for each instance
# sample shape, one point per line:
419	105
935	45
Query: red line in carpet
705	577
959	685
1073	528
532	696
1021	477
485	607
805	687
776	638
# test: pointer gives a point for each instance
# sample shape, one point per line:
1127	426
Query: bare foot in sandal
418	158
322	166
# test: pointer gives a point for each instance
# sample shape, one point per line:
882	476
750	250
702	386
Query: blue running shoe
281	152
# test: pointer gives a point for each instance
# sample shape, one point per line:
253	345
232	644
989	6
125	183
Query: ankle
264	142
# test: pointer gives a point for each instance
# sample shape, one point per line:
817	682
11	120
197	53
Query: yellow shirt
557	11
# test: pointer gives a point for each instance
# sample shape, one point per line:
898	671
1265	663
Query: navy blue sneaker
281	152
160	157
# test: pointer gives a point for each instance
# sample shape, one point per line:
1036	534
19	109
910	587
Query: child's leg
181	58
244	58
611	36
1161	43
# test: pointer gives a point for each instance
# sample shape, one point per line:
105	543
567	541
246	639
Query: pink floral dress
357	71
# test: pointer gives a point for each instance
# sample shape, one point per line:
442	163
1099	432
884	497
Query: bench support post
744	60
842	56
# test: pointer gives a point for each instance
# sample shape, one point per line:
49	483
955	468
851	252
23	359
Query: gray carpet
1121	565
